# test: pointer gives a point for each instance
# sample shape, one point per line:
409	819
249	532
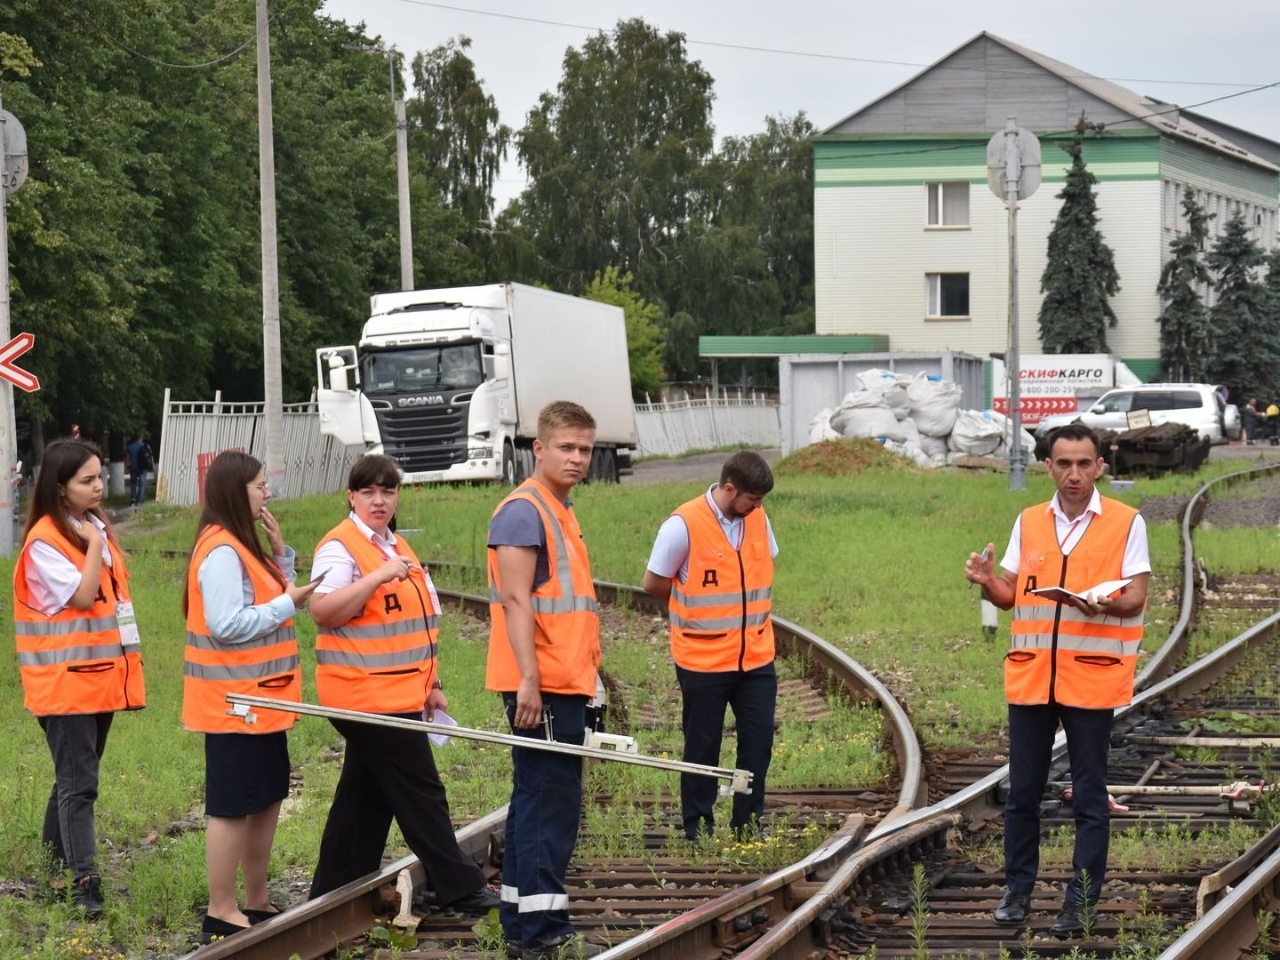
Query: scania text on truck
449	382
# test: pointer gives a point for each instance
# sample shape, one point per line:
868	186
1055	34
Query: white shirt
1069	532
670	555
52	578
340	569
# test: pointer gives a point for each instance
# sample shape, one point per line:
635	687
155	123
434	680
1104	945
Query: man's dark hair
748	472
1074	431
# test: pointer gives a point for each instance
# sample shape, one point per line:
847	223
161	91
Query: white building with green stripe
911	243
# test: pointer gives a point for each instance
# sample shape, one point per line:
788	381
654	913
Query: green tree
1080	275
613	156
644	330
1246	335
455	130
1185	336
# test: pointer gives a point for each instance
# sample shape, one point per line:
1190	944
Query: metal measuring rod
599	746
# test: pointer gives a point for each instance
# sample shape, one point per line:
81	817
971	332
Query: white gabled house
911	243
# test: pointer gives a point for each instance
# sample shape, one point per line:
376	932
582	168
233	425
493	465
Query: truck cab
428	385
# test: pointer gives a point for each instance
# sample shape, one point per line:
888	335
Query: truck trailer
449	382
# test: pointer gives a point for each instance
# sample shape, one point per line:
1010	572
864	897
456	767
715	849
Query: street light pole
402	164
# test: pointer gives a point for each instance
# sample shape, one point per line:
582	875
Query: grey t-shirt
519	524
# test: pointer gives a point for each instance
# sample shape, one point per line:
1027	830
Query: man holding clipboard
1073	653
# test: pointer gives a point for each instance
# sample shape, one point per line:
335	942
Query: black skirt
244	773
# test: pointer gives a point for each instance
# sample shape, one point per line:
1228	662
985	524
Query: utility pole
272	378
8	428
402	163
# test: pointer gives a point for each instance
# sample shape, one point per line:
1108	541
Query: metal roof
720	347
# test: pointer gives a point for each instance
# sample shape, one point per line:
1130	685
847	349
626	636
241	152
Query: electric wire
164	63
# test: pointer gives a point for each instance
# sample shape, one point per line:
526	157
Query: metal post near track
739	780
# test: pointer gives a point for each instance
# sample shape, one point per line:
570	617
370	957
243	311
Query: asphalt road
698	466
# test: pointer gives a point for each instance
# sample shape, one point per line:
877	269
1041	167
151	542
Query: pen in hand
986	555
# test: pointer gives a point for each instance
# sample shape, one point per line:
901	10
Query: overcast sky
844	54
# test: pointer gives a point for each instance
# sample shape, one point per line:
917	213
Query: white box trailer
449	382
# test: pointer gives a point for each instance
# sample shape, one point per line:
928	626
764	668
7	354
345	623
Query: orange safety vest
266	666
72	661
566	619
720	616
1059	654
384	660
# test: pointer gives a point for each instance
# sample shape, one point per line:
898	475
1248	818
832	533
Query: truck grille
424	438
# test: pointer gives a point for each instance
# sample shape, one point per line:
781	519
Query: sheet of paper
440	719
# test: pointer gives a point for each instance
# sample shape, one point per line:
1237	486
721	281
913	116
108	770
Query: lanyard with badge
126	620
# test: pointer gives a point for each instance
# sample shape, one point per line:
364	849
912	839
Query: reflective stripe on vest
212	669
383	659
1056	651
566	621
721	616
72	661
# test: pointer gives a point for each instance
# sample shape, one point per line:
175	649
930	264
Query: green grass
872	561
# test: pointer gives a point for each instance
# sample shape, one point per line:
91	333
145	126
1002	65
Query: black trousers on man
390	773
753	696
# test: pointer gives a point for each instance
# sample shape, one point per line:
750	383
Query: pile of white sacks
918	417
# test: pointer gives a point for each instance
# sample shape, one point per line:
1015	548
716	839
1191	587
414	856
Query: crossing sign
16	375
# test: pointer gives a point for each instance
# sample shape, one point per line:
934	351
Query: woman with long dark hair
376	614
239	603
78	649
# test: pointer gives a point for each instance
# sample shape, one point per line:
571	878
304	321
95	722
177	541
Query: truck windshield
421	368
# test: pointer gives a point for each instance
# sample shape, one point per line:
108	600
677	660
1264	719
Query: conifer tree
1246	336
1184	321
1081	273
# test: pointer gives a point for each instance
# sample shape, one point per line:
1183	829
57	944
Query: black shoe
1073	919
569	947
214	929
1013	909
262	916
477	903
86	894
514	950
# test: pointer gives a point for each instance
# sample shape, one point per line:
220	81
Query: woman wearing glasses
239	603
376	613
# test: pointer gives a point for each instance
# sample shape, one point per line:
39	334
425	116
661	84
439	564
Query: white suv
1198	405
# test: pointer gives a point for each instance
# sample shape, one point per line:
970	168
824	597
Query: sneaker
514	950
87	895
1073	920
1013	909
476	904
568	947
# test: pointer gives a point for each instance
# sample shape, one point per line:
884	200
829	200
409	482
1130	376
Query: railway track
858	892
633	897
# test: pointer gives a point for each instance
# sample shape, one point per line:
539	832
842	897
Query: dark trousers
753	696
76	743
390	773
137	486
542	826
1031	733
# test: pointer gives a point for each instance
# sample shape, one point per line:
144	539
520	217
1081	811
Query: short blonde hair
563	413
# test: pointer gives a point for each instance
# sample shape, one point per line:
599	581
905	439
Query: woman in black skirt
239	604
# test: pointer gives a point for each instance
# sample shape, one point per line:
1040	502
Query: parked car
1198	405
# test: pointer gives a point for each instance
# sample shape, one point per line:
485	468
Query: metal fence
672	428
193	431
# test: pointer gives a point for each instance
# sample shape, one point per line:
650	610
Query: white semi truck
449	382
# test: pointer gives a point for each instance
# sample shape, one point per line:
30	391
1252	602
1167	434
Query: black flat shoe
213	928
261	916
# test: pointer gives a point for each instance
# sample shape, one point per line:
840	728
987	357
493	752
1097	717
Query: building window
948	204
948	294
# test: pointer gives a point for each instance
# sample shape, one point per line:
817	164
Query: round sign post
1013	173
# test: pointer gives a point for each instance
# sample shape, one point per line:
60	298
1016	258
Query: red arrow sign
16	375
1032	409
